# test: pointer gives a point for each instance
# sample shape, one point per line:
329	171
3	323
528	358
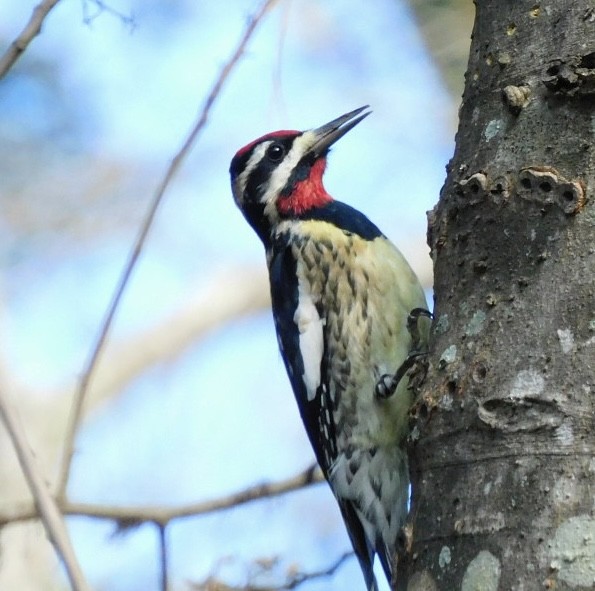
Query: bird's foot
387	384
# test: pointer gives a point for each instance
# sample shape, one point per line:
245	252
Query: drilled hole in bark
480	372
452	387
568	196
588	61
545	186
553	70
526	183
480	267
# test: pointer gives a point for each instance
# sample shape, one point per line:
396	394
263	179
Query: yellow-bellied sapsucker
341	297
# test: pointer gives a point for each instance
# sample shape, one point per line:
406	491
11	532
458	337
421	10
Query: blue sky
220	416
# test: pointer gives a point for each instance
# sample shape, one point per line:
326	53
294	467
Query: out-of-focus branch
223	298
293	580
100	8
229	295
446	28
162	516
79	398
163	558
46	507
31	30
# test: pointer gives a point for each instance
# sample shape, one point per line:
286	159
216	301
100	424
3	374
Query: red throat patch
307	194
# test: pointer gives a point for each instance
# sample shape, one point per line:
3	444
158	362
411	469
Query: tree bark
503	444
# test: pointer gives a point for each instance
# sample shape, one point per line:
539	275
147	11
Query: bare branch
230	295
293	580
79	398
100	8
300	578
222	298
31	30
128	517
45	504
163	557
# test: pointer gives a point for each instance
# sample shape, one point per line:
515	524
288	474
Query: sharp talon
417	312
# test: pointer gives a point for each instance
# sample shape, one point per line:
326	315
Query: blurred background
190	401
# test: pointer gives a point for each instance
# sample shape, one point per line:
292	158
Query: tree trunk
503	451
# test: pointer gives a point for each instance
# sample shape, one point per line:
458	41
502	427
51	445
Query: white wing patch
311	343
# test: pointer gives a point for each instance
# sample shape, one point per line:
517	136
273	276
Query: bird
344	301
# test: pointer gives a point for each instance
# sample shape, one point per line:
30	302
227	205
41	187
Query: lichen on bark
502	462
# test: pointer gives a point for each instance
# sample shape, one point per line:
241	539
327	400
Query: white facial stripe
281	174
252	163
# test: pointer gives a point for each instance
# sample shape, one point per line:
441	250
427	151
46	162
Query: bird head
279	175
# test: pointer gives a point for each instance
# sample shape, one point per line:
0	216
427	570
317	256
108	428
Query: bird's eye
275	152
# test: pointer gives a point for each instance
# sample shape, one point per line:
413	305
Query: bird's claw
387	384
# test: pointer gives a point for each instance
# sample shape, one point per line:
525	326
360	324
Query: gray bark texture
503	442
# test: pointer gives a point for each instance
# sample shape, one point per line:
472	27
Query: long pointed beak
329	133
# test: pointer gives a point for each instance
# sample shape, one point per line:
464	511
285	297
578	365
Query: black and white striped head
279	175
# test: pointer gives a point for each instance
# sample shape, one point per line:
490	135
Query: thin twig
163	556
31	30
127	517
79	398
101	7
47	509
301	578
225	297
292	582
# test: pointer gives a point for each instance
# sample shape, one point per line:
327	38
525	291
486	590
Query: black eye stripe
255	180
